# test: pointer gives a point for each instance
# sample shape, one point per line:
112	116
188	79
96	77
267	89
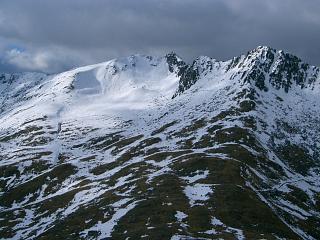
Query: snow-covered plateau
147	147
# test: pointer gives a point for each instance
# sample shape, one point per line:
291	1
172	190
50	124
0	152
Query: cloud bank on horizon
52	36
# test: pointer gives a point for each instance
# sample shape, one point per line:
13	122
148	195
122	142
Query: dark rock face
188	74
174	62
188	77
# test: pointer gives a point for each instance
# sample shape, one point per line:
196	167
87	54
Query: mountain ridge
253	57
214	151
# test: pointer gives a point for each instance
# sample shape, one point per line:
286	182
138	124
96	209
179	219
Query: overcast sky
55	35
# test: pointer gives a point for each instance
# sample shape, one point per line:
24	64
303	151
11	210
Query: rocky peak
265	66
175	63
289	69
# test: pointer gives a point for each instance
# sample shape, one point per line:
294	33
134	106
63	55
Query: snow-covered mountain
155	148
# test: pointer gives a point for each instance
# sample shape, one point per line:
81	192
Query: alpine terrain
149	147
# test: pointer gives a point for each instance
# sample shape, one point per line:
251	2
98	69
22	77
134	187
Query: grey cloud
57	35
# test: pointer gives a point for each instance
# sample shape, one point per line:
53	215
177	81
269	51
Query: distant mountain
149	147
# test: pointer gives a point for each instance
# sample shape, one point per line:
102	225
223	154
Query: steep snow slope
156	148
129	83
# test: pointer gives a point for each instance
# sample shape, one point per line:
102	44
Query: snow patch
198	192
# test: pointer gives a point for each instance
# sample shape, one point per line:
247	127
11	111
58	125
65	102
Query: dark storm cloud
45	35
